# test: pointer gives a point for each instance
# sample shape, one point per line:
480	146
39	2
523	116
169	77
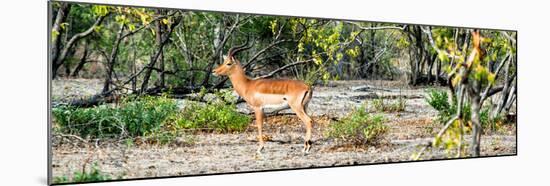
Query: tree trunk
61	58
431	62
437	70
417	55
112	60
165	37
218	46
159	30
372	53
476	123
83	61
56	28
134	67
505	92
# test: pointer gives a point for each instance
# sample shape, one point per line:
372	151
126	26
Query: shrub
157	118
488	123
382	105
217	116
439	100
358	127
93	176
134	117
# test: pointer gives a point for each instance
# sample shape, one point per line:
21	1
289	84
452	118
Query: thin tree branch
375	28
283	68
485	94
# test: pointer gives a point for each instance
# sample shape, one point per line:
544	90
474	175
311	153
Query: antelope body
261	93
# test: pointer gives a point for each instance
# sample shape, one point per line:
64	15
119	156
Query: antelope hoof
260	149
307	147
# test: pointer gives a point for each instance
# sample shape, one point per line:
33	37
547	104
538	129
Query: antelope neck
239	80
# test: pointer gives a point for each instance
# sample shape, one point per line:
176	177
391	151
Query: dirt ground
206	153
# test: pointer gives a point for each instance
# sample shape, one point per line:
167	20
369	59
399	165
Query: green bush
216	116
133	117
439	100
382	105
488	123
157	118
358	127
93	176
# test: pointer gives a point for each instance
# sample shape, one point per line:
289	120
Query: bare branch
375	28
486	94
508	36
77	37
283	68
259	53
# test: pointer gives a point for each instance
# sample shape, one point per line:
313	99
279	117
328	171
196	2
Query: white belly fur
271	100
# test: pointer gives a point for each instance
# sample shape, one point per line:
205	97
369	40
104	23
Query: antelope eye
229	64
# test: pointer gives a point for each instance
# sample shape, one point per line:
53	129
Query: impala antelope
260	93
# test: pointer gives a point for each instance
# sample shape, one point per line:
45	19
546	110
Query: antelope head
230	64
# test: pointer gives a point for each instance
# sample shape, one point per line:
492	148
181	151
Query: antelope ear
224	57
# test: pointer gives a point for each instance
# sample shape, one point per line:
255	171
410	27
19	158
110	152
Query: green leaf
55	33
131	27
63	25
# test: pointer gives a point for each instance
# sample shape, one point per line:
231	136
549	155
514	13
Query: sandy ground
207	153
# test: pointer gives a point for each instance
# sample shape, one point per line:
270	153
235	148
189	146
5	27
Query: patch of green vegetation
439	100
382	105
153	119
92	176
217	116
133	117
358	127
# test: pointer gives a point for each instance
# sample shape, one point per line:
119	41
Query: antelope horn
235	50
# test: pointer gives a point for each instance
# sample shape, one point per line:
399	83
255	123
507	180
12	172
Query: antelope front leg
259	122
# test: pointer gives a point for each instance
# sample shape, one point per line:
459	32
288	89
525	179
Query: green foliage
439	100
383	105
133	117
451	140
93	176
358	127
491	124
156	118
217	116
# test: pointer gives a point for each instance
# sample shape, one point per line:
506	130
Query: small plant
215	115
93	176
491	124
439	100
358	127
382	105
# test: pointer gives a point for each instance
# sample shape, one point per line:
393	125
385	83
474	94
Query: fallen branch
368	87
